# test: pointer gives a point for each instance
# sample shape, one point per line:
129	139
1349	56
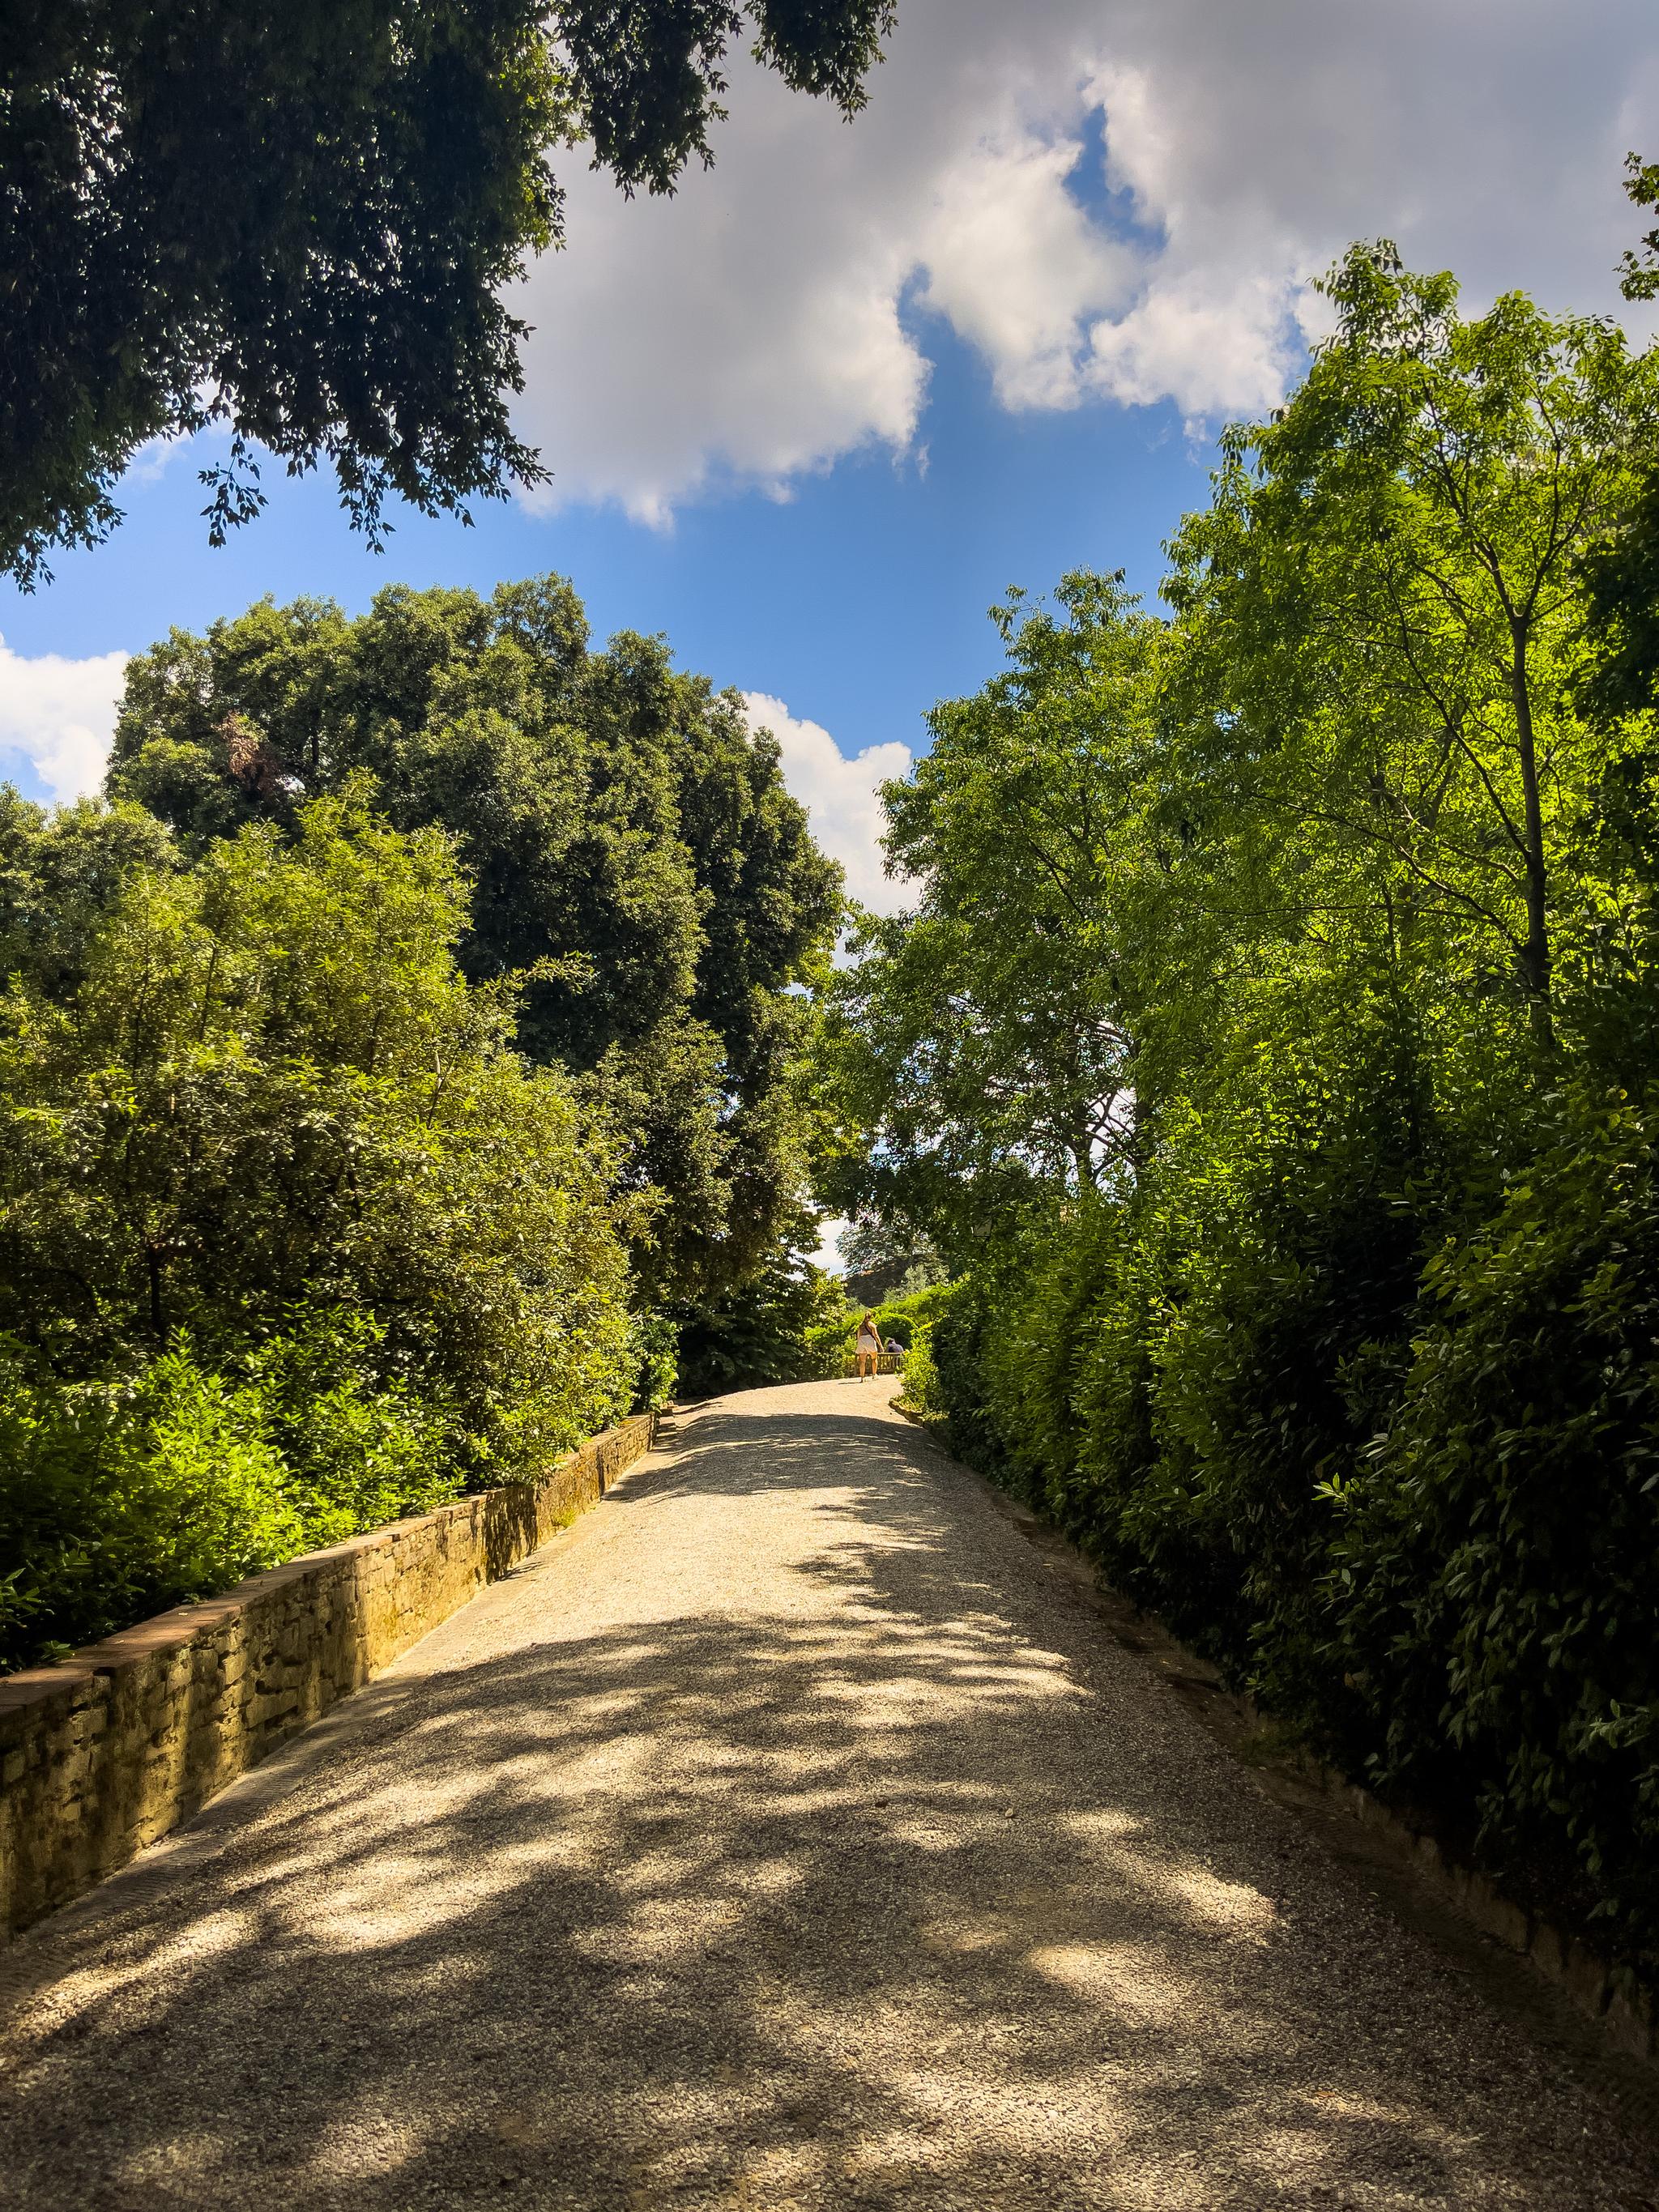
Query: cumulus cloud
1110	201
58	717
840	796
1013	263
754	331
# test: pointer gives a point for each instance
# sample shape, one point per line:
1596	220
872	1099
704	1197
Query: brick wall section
102	1754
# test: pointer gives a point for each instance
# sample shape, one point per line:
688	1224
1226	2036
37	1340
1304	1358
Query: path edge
104	1753
1620	2003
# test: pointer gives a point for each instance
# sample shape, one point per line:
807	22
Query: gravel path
784	1834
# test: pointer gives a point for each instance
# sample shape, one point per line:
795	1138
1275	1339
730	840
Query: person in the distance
867	1346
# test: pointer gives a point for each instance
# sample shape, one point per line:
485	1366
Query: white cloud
840	796
1214	347
774	315
754	331
59	716
1013	263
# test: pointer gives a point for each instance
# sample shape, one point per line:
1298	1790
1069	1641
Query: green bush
909	1311
271	1088
359	1448
1494	1578
922	1392
1415	1507
899	1318
654	1356
768	1330
115	1498
1274	1028
292	1241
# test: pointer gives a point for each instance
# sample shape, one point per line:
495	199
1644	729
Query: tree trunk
1537	956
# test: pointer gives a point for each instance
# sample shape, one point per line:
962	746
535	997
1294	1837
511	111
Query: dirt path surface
784	1834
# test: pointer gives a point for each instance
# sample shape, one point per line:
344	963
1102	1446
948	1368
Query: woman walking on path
868	1345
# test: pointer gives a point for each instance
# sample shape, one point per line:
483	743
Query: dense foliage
300	221
1620	572
903	1318
632	850
401	1075
1301	950
292	1240
766	1330
872	1245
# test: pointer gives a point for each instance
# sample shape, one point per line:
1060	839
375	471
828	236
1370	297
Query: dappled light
783	1834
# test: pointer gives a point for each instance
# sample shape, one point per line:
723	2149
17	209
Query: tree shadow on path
870	1877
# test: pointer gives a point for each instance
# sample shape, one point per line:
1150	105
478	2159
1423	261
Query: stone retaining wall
102	1754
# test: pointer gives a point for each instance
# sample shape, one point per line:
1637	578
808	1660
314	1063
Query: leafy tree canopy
632	849
1386	618
1639	273
1620	572
292	1242
299	221
983	1038
266	1085
872	1243
1352	778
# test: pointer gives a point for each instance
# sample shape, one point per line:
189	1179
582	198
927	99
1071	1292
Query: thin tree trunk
1537	941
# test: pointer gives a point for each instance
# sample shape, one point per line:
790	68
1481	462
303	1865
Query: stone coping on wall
102	1754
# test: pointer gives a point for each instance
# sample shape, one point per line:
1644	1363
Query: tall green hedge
1273	1029
1414	1510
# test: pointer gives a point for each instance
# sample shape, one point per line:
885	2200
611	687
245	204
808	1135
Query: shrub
899	1318
271	1089
292	1242
1494	1584
922	1391
117	1499
769	1330
1415	1507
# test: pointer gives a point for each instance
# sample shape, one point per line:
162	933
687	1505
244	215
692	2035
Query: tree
1385	601
874	1244
1344	1364
298	221
60	875
270	1090
292	1243
763	1330
632	852
983	1038
1639	270
1620	572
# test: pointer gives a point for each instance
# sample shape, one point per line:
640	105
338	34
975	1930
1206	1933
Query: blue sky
812	415
859	599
